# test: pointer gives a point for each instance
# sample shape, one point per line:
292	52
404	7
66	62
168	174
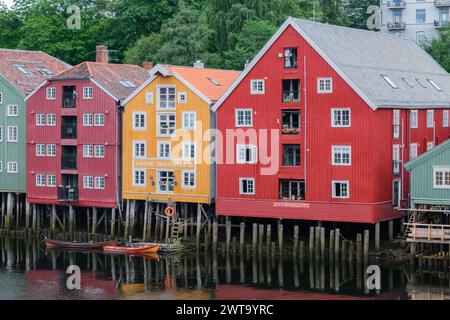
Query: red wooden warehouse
348	107
74	134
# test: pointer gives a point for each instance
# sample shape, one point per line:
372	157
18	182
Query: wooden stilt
295	241
71	219
391	230
53	220
144	232
132	221
366	246
377	237
317	243
311	242
215	235
254	236
113	223
228	233
268	237
94	220
280	236
157	222
241	237
322	243
34	223
331	245
358	247
17	217
27	214
127	222
9	210
3	210
337	241
199	222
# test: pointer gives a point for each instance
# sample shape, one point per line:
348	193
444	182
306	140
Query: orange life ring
169	211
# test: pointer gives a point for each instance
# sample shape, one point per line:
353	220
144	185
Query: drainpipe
305	121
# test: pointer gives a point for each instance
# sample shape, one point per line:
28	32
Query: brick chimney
101	54
147	65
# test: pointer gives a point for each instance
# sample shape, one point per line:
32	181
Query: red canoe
131	250
52	244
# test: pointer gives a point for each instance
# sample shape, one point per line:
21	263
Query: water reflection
27	271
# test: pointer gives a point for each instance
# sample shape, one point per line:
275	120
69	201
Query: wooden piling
358	247
377	237
228	233
391	230
254	236
127	221
34	222
9	210
113	223
322	243
199	222
27	215
280	236
215	235
144	231
351	249
344	250
53	220
317	243
337	237
71	219
295	241
331	245
268	238
311	242
241	237
261	238
366	246
94	220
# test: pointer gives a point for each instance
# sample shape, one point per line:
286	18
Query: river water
27	271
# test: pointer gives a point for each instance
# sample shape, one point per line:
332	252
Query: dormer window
290	58
44	71
389	81
434	85
23	69
421	83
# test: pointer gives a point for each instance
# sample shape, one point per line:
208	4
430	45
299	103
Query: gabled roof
26	70
120	80
361	57
208	84
443	147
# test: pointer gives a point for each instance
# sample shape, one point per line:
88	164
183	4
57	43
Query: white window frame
430	145
158	98
139	114
396	123
333	191
414	119
51	119
88	151
1	133
241	191
161	143
335	111
50	93
15	166
158	178
40	150
413	147
88	93
88	119
444	170
189	113
97	154
140	142
13	110
158	124
1	166
97	184
256	90
242	148
138	184
396	150
244	110
49	148
180	97
324	89
88	182
189	145
16	129
445	118
1	97
40	120
149	97
340	149
183	173
50	180
430	125
97	117
40	180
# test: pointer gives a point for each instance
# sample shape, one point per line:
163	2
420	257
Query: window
341	189
139	120
434	85
88	182
13	134
127	83
88	93
291	91
12	167
408	83
414	119
166	124
189	179
99	183
23	69
139	177
189	119
182	97
325	85
290	58
413	151
421	38
214	81
139	149
421	83
1	166
40	150
291	155
166	98
164	150
1	97
149	98
420	16
188	151
430	118
40	119
340	118
341	155
51	93
13	110
244	117
1	133
257	87
44	71
246	186
51	150
99	119
389	81
441	177
99	151
430	145
291	122
396	123
87	119
292	190
445	118
396	158
51	180
40	180
166	181
246	154
88	151
51	119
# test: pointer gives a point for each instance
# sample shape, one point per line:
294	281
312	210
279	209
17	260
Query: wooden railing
432	233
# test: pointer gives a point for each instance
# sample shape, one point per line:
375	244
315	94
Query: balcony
69	97
69	158
68	193
400	25
442	3
396	166
291	91
291	122
441	24
396	4
69	128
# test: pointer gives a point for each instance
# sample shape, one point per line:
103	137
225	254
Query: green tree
333	12
439	48
9	27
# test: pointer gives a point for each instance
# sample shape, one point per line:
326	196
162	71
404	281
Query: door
396	193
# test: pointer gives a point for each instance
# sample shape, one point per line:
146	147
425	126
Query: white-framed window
50	93
413	151
340	189
189	152
340	118
40	150
1	166
51	150
246	153
324	85
13	110
99	119
139	120
396	123
389	81
165	181
51	180
12	167
166	98
139	177
1	133
434	84
257	86
182	97
341	155
51	119
246	186
88	182
139	149
164	150
189	120
40	119
441	177
430	145
244	117
430	118
445	118
188	179
1	97
99	183
396	158
88	151
13	134
99	151
88	93
88	119
166	124
40	180
149	98
414	119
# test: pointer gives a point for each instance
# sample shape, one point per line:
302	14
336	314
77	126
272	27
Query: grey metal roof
363	56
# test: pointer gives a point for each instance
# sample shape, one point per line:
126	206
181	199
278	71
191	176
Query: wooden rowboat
131	250
52	244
